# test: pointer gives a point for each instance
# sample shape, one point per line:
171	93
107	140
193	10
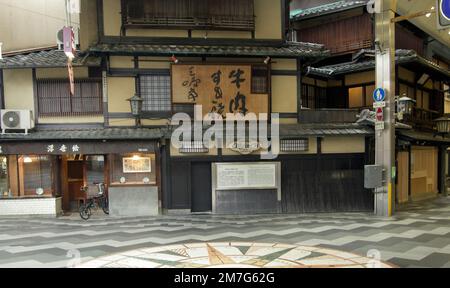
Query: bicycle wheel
105	206
85	212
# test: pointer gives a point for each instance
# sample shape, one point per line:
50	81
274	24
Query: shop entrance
80	171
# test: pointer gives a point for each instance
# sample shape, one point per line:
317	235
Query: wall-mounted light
136	157
27	160
136	103
174	59
267	60
428	15
443	126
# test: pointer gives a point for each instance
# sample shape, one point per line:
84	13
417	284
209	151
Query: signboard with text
219	88
247	176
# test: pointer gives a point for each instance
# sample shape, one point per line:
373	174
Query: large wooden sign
219	89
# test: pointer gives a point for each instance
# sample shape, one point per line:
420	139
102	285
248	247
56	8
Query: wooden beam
412	16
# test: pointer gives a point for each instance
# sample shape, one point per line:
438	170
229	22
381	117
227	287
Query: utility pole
385	79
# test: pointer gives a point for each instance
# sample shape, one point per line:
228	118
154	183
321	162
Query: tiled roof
45	59
90	134
326	9
402	57
291	49
421	136
333	129
286	132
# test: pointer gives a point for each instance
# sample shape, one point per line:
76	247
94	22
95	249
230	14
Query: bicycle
99	201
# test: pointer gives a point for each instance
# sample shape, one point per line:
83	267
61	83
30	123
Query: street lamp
136	103
443	126
405	106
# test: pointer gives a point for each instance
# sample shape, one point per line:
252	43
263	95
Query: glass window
95	169
355	97
133	169
156	92
4	185
260	76
36	177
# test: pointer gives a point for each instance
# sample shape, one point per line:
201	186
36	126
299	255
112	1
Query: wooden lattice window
54	97
190	14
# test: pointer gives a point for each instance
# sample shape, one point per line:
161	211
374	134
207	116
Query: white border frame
131	158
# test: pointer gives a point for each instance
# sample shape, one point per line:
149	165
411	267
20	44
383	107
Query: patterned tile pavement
418	236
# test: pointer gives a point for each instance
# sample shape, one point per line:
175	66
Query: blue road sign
379	95
443	15
445	9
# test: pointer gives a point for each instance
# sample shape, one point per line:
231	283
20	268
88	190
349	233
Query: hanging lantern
405	105
136	103
443	125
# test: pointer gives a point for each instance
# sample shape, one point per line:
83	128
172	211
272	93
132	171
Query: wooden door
201	187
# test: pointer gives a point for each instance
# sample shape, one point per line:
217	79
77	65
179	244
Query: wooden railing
422	118
213	22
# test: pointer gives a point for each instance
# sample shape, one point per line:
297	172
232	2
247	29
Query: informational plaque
246	176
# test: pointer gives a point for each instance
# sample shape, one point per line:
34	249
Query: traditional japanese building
232	56
422	75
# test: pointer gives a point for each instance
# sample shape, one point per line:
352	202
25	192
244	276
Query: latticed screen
54	97
295	145
198	14
155	90
260	79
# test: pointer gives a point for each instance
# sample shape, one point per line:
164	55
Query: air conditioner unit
60	38
17	120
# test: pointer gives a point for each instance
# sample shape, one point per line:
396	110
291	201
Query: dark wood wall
310	183
342	36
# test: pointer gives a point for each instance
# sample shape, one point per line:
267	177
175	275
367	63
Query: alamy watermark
249	132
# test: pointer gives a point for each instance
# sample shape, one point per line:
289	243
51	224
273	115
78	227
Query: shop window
95	169
54	97
260	79
156	92
36	175
4	182
133	169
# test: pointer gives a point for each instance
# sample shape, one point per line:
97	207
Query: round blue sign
379	95
445	9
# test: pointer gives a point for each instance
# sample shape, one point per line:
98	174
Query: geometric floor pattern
418	236
235	255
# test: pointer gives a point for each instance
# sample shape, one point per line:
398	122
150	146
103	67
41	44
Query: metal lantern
405	105
136	105
443	125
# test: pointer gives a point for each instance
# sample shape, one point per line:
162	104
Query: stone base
133	201
31	207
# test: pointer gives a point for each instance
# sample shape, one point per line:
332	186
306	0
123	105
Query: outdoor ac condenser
17	120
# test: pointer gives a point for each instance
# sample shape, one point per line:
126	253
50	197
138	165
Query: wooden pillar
13	173
442	175
65	184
